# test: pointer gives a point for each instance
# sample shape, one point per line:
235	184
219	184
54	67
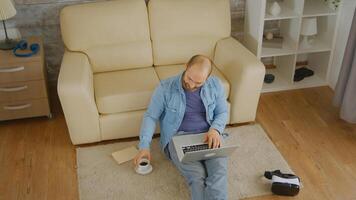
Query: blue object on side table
22	45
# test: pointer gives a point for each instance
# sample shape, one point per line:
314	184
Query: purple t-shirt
194	119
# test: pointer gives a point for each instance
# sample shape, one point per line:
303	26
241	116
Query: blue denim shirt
168	107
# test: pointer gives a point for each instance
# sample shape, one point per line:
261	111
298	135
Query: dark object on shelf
283	184
301	73
269	78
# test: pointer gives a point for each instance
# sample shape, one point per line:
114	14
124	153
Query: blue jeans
207	179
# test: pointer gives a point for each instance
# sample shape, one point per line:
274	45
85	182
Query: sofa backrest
114	34
182	28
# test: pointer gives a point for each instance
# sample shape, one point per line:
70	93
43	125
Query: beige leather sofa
118	51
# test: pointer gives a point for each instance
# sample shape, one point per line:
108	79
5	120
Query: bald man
191	102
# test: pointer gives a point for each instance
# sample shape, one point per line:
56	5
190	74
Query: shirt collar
179	82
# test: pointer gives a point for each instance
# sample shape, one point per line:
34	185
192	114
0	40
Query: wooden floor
37	160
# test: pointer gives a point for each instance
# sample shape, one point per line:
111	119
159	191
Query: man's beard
187	87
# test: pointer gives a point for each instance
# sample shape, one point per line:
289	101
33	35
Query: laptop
190	147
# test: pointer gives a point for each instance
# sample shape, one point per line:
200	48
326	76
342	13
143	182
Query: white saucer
144	172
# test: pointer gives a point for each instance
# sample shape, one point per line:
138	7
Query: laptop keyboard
196	147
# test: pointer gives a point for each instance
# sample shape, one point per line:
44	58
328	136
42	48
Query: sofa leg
50	116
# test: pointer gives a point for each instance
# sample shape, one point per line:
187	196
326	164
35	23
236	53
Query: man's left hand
212	137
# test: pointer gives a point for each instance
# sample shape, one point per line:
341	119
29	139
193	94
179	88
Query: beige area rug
100	177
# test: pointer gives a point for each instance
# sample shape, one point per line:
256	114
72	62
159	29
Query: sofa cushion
114	34
125	90
122	125
181	29
167	71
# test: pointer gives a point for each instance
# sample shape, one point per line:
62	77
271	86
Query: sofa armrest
76	94
245	74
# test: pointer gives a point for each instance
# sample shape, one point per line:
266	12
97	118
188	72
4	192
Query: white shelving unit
319	56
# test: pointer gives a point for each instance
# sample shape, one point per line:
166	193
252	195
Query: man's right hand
143	153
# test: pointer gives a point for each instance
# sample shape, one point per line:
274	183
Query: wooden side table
23	84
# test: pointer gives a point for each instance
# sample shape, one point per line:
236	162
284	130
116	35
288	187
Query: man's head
198	69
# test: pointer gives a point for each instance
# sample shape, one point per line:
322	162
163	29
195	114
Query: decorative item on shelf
271	40
302	73
333	4
269	35
309	28
7	10
269	78
275	9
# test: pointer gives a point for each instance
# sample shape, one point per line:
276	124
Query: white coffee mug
144	167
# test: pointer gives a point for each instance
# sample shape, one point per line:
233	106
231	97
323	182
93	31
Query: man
192	102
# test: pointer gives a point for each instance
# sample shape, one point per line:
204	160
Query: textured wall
41	17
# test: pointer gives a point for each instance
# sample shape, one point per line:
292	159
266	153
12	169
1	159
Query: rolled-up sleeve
151	117
220	111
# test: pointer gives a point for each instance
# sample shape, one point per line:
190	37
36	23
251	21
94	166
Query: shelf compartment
319	63
318	46
289	30
317	8
286	50
281	84
289	9
326	26
313	81
283	73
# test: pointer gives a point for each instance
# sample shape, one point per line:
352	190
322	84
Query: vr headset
283	184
